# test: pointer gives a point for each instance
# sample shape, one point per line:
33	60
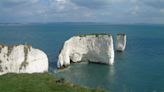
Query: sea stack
97	48
121	42
22	59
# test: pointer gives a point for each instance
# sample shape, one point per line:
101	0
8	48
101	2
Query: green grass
123	34
94	34
39	83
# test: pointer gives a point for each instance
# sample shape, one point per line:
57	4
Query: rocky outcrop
121	42
22	59
96	48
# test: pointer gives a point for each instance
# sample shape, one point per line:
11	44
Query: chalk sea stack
22	59
121	42
97	48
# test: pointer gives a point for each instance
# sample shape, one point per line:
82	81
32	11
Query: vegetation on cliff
39	83
94	34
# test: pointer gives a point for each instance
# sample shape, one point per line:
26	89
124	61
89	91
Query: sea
140	68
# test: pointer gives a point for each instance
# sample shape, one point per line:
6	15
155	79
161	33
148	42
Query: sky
110	11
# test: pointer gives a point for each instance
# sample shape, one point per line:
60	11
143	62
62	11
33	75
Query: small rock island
121	42
22	59
97	48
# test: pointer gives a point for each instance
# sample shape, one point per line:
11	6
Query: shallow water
139	69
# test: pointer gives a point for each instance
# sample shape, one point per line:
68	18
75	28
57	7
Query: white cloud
135	10
62	5
81	10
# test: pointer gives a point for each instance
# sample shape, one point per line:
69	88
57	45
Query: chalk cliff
96	48
22	59
121	42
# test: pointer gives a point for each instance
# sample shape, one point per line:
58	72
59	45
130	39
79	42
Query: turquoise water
139	69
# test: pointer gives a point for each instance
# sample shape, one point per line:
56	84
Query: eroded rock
96	48
22	59
121	42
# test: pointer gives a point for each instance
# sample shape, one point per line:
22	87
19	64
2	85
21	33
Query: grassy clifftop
94	34
39	83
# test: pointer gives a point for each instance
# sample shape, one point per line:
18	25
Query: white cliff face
92	48
22	59
121	42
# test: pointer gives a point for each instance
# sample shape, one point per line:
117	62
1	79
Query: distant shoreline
76	23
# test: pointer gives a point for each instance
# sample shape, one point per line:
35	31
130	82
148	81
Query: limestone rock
96	48
22	59
121	42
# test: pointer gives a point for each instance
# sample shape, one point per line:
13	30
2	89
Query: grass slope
38	83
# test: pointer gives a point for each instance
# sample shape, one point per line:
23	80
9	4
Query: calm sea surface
139	69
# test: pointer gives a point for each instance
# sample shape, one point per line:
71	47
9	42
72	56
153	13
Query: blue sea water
139	69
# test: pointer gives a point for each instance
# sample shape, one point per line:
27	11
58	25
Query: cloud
15	3
93	4
20	6
113	11
61	6
155	3
162	10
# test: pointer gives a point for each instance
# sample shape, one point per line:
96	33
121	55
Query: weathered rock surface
96	48
121	42
22	59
